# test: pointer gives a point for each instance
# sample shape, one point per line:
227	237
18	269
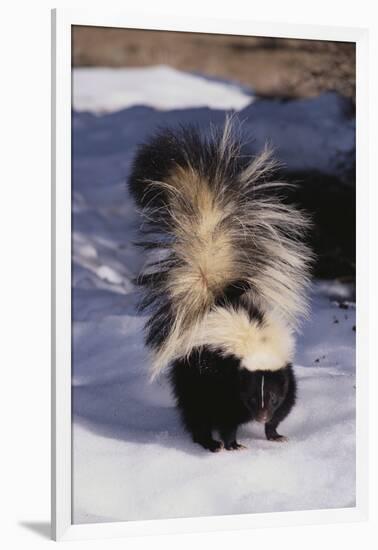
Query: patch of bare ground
273	67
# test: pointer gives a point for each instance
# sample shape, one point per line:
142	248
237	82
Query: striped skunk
227	280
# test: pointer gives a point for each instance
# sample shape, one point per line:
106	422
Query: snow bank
131	457
162	87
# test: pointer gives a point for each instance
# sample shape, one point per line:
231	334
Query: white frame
62	20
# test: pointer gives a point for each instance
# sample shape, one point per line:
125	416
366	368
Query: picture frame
62	526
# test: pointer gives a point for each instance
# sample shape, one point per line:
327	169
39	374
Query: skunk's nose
263	416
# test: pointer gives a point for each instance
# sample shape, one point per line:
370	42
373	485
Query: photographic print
213	274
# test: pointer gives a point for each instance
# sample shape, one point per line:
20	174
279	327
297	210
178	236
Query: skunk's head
263	392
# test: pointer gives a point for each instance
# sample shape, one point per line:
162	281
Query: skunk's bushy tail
220	232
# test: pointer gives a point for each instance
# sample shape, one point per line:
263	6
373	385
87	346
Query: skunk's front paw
214	446
234	446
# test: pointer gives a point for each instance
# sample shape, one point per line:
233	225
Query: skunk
226	279
214	393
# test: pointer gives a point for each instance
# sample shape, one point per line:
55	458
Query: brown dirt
271	66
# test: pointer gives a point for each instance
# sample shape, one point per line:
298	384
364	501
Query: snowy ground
131	458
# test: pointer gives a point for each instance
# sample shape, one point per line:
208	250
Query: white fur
267	346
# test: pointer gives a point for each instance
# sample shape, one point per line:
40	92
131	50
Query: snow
162	87
131	458
312	134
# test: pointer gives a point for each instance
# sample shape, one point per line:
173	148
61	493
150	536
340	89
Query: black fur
214	393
